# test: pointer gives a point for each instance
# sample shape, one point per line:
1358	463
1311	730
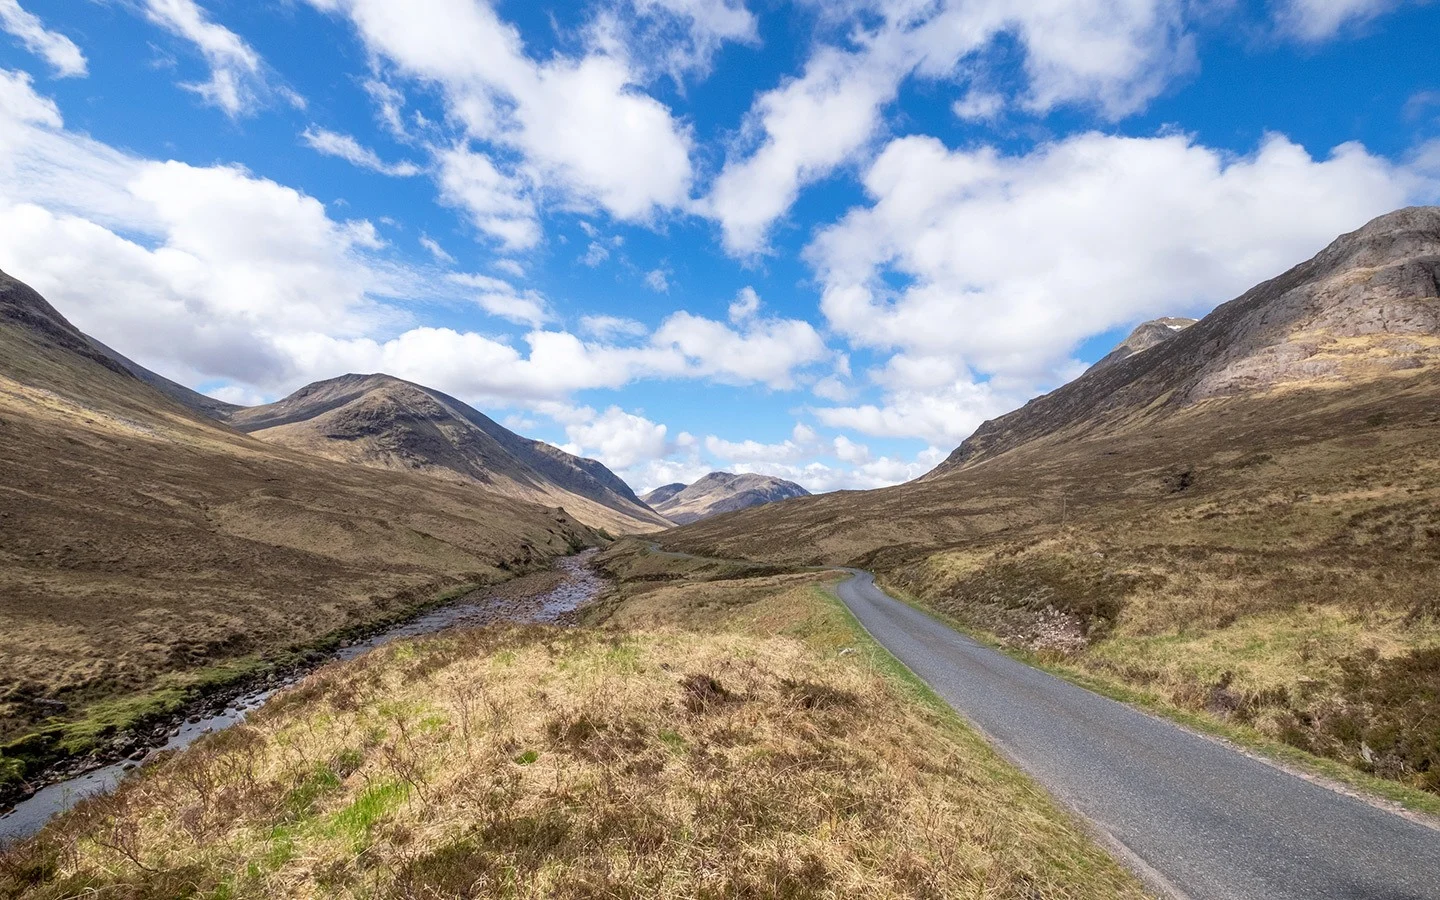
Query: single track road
1200	819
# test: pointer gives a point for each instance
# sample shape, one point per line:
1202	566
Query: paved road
1209	821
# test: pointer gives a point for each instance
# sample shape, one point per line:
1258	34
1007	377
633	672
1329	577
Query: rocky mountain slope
145	549
386	423
1242	521
720	492
1146	335
1362	308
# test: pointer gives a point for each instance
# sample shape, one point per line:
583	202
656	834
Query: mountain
1242	521
386	423
143	545
1146	335
1362	308
662	494
720	492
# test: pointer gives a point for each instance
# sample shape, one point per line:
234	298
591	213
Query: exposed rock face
1367	306
384	422
720	492
1150	334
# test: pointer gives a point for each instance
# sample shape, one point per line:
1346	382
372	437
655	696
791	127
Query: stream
580	586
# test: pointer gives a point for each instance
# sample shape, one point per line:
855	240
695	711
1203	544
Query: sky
819	239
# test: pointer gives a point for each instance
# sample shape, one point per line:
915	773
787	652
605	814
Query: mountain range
719	492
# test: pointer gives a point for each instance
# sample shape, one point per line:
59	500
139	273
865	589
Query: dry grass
737	746
1269	561
144	552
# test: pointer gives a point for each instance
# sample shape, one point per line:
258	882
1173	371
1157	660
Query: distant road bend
1207	821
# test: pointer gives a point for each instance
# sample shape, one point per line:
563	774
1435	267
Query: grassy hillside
1242	522
146	552
720	736
386	423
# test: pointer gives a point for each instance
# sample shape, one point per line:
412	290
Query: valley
1229	521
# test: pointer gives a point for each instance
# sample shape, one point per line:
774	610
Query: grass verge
1249	739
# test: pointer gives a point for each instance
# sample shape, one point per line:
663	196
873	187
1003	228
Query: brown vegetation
744	743
146	553
1266	554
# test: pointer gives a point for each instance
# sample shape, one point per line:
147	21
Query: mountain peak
1365	307
1146	335
720	492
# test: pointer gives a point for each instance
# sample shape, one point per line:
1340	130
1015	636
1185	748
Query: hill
145	549
720	492
386	423
1242	521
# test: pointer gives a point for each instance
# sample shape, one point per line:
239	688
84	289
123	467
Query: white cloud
612	326
848	451
1113	55
595	254
20	105
745	306
510	267
438	252
580	125
499	204
767	351
618	439
502	299
658	280
1320	20
688	32
237	73
1009	261
802	442
979	106
55	48
212	274
343	146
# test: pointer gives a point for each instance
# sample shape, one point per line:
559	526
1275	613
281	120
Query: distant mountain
386	423
662	494
719	492
1147	335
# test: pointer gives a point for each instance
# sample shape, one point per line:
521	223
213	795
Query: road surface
1207	821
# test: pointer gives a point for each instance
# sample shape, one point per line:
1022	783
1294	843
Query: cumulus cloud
1011	260
214	274
344	146
238	77
618	439
764	351
1114	57
499	204
579	125
55	48
658	280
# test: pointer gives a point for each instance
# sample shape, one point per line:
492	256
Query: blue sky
819	240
